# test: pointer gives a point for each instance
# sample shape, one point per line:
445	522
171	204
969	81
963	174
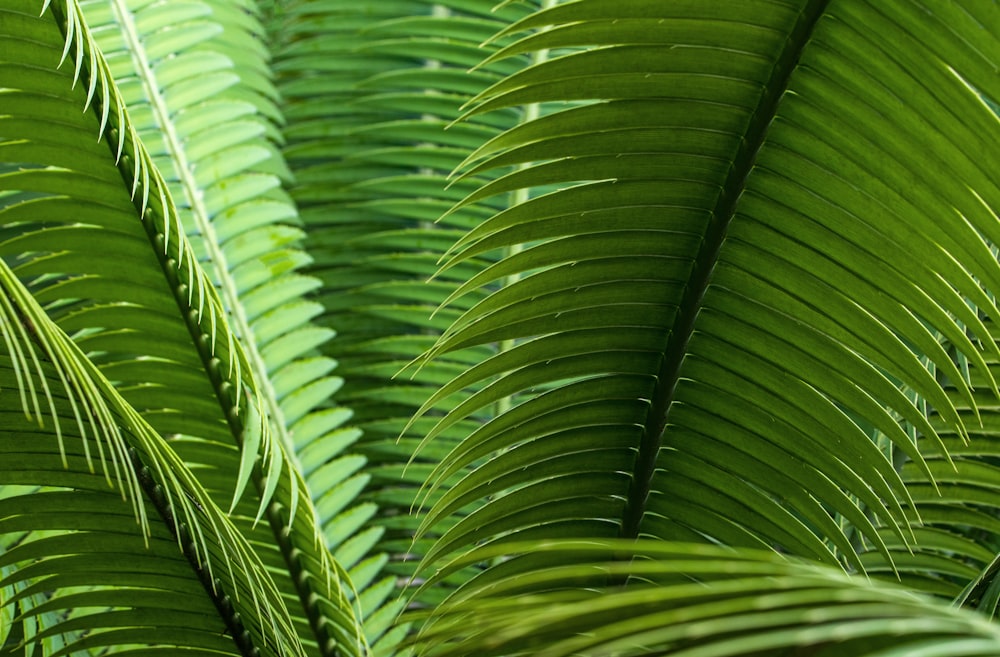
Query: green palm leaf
695	600
730	292
120	206
655	277
106	537
127	316
956	545
242	225
370	89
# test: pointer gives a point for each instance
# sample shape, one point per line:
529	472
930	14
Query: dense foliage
580	327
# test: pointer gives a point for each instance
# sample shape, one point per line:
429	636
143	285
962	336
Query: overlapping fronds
118	272
106	538
688	600
957	543
653	276
200	77
369	89
90	224
754	257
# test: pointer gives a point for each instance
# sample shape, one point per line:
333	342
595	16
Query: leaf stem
676	347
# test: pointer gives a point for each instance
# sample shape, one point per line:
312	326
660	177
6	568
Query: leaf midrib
228	289
705	262
272	509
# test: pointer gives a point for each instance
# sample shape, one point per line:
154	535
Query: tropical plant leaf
85	482
693	600
64	159
127	317
730	292
704	273
955	554
243	229
370	88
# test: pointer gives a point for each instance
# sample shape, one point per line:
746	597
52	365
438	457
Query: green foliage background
645	327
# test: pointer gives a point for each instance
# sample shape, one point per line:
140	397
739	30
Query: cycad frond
124	310
731	291
956	542
85	193
370	89
691	600
106	537
243	228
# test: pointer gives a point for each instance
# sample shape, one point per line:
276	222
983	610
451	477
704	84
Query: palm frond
370	89
728	293
655	278
85	483
955	551
242	228
93	162
127	317
690	600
